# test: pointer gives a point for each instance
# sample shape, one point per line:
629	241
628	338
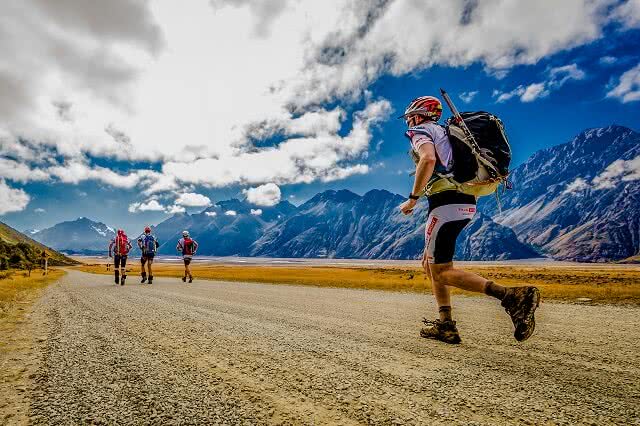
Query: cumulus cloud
557	77
83	80
264	195
230	213
467	97
256	212
39	210
192	199
173	209
151	205
618	171
628	13
579	184
211	214
12	199
608	60
628	87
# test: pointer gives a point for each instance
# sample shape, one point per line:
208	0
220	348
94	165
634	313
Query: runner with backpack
148	245
467	158
120	247
188	247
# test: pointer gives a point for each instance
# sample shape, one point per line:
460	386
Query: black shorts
187	260
120	260
449	213
146	257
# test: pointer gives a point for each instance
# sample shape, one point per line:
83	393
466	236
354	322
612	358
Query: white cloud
90	80
628	13
151	205
628	87
467	97
39	210
20	172
608	60
264	195
173	209
11	199
76	172
192	199
256	212
211	214
619	170
576	186
230	213
557	77
533	92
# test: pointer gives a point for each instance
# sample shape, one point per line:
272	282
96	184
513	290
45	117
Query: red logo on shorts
434	220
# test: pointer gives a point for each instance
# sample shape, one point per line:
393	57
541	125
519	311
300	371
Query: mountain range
579	200
575	201
80	236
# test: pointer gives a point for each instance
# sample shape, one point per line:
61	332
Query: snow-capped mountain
225	229
579	200
346	225
80	236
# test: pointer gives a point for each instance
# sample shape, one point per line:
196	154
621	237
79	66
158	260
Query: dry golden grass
16	288
604	284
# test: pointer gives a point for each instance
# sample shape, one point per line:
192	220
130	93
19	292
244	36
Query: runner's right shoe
521	304
184	279
445	331
117	277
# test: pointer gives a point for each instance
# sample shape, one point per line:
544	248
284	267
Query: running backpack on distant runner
481	154
149	244
122	245
187	248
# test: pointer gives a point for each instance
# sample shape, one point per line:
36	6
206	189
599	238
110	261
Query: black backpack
488	132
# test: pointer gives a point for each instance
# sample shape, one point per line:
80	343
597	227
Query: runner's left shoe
445	331
521	304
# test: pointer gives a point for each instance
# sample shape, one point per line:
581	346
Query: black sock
445	313
494	290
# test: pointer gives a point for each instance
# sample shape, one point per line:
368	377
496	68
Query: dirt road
234	353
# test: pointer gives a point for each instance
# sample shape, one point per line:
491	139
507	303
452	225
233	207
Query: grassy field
602	284
17	289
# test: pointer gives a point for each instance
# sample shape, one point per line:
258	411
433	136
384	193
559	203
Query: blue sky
176	129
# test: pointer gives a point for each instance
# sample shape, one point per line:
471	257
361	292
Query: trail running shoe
445	331
150	279
122	280
184	279
190	279
117	278
521	304
143	280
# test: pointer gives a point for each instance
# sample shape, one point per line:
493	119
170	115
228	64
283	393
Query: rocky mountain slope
80	236
579	200
342	224
225	229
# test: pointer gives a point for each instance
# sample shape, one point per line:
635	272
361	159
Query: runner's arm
195	246
111	247
425	167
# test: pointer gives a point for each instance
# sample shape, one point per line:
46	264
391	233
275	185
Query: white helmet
185	233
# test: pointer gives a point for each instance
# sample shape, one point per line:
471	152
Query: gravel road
236	353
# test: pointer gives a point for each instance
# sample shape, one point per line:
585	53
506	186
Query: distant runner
188	248
148	244
120	247
449	212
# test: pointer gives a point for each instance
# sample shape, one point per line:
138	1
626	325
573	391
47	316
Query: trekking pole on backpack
473	144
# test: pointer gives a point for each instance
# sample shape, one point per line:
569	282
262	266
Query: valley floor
225	352
562	281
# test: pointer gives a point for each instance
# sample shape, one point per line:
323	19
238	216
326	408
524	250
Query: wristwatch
413	197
